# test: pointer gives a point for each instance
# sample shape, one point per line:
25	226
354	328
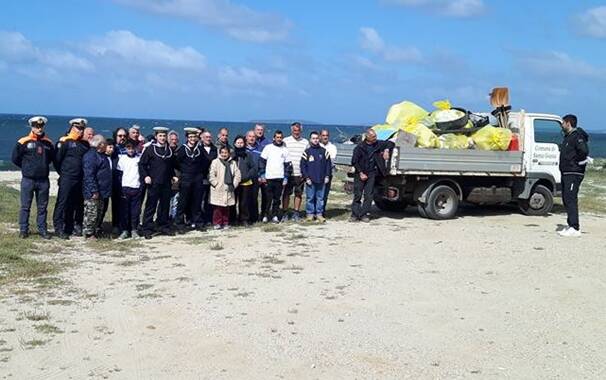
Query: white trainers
570	232
275	219
265	219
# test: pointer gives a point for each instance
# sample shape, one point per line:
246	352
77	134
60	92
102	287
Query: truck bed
447	162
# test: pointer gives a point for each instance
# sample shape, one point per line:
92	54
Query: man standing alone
33	154
574	154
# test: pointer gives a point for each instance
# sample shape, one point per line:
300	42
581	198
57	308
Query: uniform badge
31	145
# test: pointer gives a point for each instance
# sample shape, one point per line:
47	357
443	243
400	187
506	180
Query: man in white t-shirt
274	170
296	145
332	152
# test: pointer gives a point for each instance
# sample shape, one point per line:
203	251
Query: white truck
438	180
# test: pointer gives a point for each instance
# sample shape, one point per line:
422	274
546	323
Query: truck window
547	131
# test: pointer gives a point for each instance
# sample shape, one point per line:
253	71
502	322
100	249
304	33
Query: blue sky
335	61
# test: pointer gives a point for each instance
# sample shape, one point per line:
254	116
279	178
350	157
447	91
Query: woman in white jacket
224	176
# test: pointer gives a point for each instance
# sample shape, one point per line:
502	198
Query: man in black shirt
33	154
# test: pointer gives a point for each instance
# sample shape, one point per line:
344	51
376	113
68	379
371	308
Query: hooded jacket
574	151
33	154
97	175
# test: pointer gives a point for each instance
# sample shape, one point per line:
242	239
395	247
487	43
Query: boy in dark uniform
69	206
157	171
33	154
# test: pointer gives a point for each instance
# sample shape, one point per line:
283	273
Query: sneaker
265	219
275	219
320	219
90	237
365	219
284	218
63	235
226	227
570	232
135	235
353	219
124	235
45	235
148	236
116	231
296	217
309	218
23	235
217	227
77	230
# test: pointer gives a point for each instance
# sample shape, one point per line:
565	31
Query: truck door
544	154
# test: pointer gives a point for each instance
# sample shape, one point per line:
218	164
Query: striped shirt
295	152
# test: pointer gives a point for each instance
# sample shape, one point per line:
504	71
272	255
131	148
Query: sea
14	126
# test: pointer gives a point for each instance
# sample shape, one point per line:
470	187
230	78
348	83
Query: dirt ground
492	294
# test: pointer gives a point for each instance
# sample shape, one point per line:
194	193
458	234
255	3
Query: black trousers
261	189
326	191
158	202
30	188
116	195
274	190
363	195
245	198
69	207
190	203
207	208
130	205
570	196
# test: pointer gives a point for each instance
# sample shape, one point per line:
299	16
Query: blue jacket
255	154
315	164
262	143
97	175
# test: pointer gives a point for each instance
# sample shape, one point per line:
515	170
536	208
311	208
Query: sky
338	62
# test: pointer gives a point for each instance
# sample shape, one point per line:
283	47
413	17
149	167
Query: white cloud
558	65
246	77
451	8
237	21
592	22
125	46
16	48
371	40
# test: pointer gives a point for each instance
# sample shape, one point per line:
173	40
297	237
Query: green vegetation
592	198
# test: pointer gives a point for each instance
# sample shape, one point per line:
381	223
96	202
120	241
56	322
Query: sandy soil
492	294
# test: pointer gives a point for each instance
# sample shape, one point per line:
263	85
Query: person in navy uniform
69	207
191	163
157	170
33	154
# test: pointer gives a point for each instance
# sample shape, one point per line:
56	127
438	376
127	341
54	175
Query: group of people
193	185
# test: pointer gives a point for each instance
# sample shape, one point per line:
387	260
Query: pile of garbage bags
446	127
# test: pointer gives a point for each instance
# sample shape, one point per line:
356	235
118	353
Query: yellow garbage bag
453	141
425	137
442	104
405	114
492	138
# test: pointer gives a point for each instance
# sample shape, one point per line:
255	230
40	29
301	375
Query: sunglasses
120	135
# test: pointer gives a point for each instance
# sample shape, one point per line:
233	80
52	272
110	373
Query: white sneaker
275	219
570	232
265	219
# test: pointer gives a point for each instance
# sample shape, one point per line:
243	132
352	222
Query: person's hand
386	154
326	180
363	177
175	179
308	181
148	180
95	196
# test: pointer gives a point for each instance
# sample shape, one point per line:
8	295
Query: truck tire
539	203
392	206
421	209
442	203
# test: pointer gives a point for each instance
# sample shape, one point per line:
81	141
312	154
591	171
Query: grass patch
36	316
103	245
15	262
29	344
272	228
47	328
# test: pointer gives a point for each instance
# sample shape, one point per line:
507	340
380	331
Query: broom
499	99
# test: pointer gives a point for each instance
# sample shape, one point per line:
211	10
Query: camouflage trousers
93	212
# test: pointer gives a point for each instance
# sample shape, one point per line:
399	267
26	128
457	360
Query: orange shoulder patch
24	140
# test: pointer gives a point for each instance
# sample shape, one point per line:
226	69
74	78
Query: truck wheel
387	205
421	209
539	203
442	203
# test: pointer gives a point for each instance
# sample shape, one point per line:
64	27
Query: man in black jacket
369	162
33	154
69	206
209	150
157	170
190	161
574	154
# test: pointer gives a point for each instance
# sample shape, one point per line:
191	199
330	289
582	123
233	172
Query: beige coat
219	192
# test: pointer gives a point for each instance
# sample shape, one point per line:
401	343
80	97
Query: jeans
363	195
30	188
570	197
130	204
314	194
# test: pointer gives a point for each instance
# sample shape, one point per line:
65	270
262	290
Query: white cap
160	130
136	126
37	120
80	121
191	131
